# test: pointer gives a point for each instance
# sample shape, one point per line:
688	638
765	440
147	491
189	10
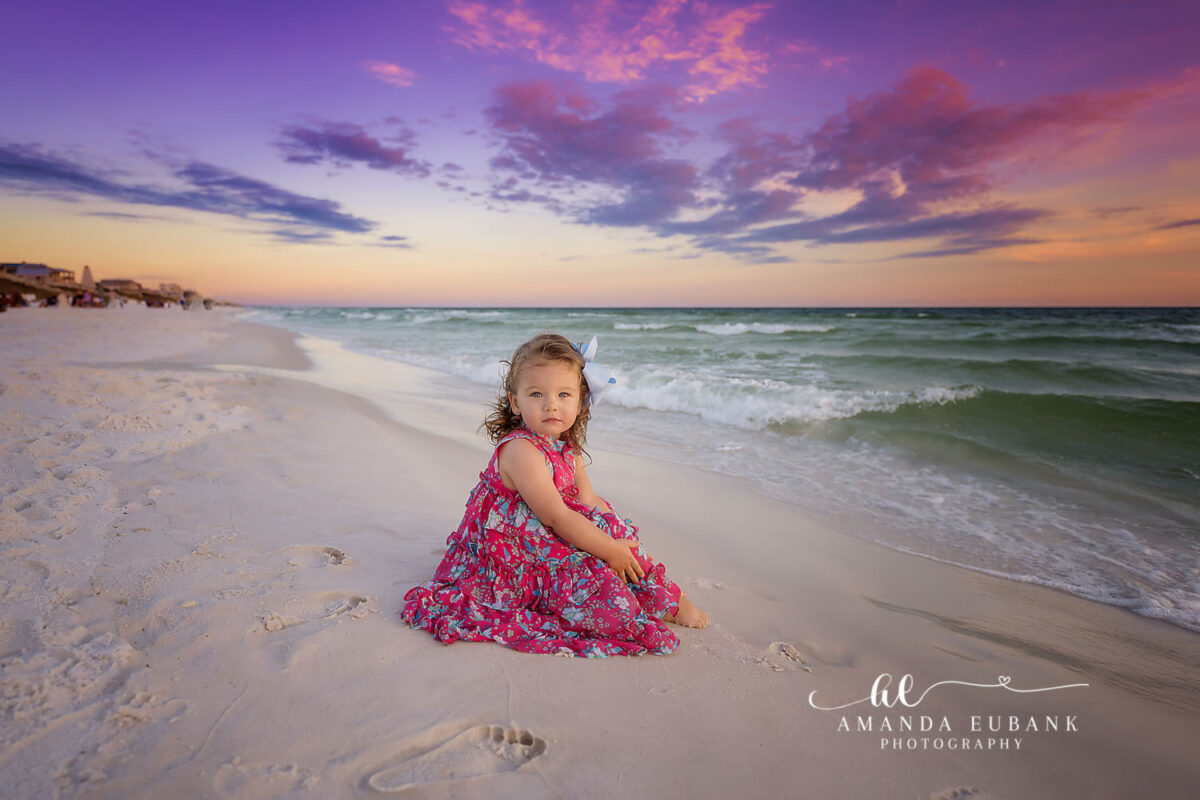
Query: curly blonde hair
502	420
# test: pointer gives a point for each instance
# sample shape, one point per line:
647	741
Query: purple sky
609	153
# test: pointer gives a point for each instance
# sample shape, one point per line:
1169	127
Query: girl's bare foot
690	615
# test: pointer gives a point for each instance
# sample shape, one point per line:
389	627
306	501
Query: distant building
39	273
120	285
11	268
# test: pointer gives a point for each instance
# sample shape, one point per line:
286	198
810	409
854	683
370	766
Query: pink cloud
925	137
394	74
605	41
923	156
722	62
929	130
558	140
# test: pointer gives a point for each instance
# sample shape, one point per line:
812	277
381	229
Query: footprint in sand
705	583
236	778
958	793
327	605
783	656
140	707
474	753
317	555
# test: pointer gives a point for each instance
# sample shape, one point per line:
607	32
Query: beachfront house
25	270
123	285
38	273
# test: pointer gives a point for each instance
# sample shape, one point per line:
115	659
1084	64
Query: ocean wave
380	316
770	328
1174	604
1185	334
642	326
1126	414
726	328
1046	373
1025	344
426	317
762	403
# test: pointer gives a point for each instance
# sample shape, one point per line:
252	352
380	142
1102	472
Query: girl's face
548	397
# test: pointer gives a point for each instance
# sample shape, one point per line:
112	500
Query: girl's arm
587	495
522	464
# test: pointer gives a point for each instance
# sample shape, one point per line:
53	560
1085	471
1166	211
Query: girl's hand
623	562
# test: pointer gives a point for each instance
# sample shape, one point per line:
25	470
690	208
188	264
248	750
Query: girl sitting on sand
540	562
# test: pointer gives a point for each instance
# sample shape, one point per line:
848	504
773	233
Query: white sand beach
208	526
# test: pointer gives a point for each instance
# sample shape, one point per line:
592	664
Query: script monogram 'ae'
880	695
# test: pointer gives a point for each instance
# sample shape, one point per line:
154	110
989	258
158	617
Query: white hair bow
598	379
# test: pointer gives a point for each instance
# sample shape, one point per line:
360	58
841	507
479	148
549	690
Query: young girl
540	562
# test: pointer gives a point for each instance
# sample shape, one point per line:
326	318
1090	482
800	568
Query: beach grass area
208	526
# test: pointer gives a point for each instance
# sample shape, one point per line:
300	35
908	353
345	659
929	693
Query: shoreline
282	453
1015	524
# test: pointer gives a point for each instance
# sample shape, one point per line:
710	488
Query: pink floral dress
508	578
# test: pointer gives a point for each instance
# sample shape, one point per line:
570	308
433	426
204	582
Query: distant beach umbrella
87	282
